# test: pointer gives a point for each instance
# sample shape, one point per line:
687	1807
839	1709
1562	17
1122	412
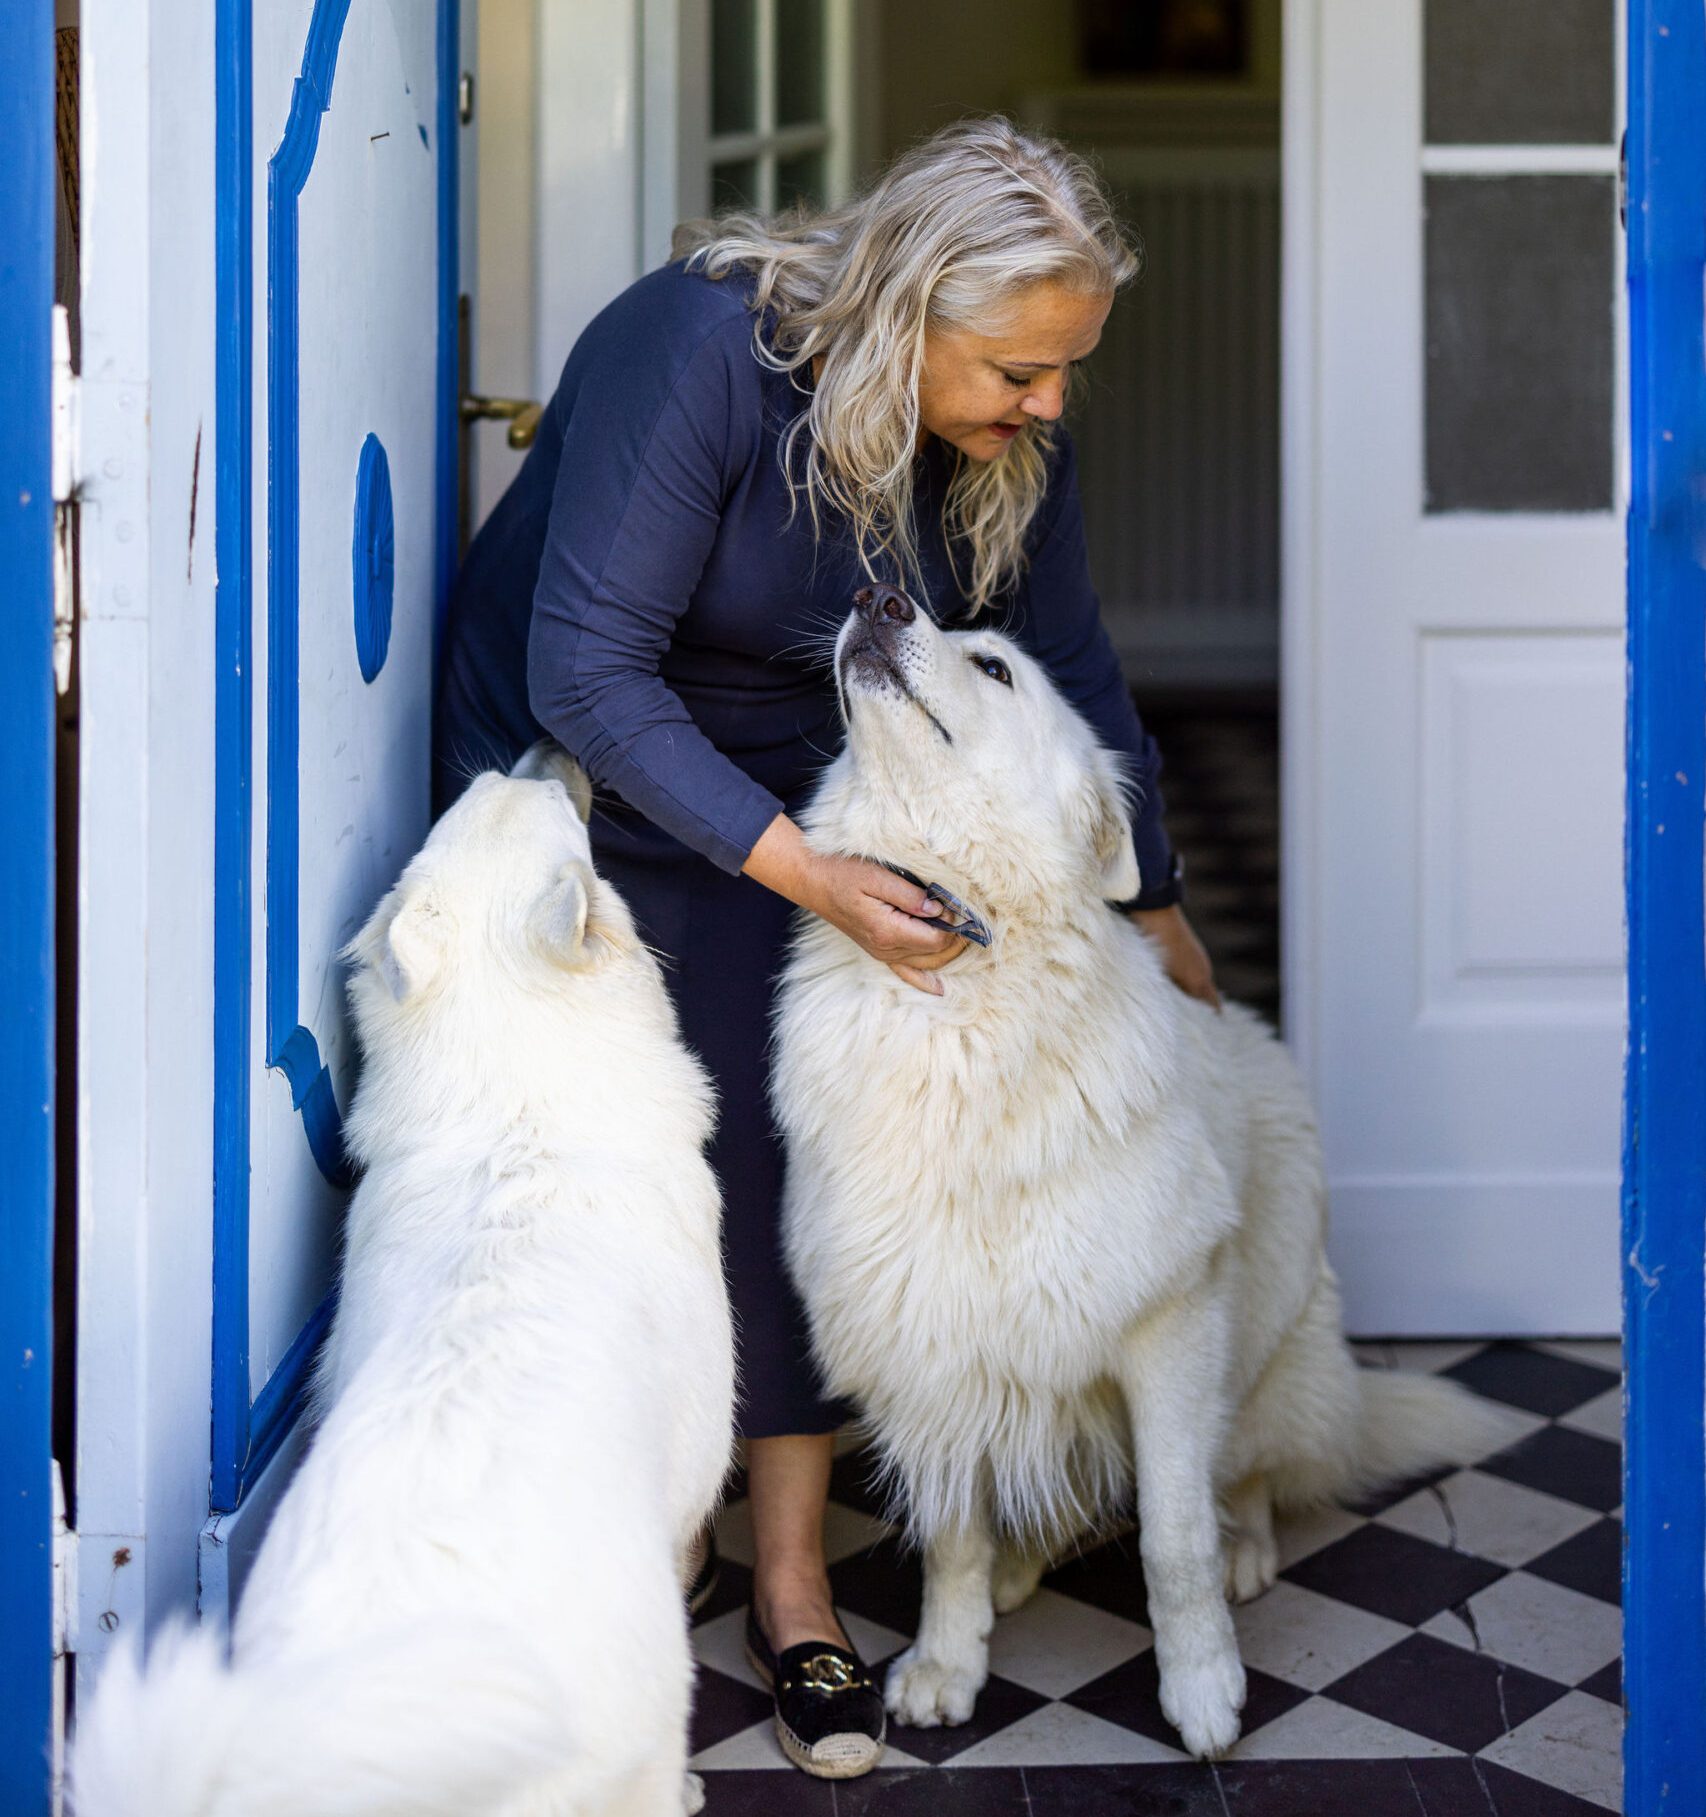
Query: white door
1453	673
336	514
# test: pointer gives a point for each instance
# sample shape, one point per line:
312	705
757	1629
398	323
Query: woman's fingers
879	881
923	981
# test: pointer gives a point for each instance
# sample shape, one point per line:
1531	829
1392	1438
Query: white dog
470	1601
1062	1223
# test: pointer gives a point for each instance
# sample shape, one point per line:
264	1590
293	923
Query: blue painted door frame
1664	1193
26	903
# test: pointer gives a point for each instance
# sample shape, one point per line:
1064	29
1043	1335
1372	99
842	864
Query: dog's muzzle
879	619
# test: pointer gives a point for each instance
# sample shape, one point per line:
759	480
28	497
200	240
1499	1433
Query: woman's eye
1016	379
995	669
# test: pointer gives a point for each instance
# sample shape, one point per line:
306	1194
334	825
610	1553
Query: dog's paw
1202	1703
924	1693
1017	1575
1252	1564
692	1795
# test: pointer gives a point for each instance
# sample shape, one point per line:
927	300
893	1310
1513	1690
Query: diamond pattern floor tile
1393	1574
1575	1745
1308	1639
1054	1643
1541	1626
1575	1466
1489	1517
1592	1562
1535	1380
1462	1698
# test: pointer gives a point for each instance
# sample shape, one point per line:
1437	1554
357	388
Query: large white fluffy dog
1064	1222
470	1601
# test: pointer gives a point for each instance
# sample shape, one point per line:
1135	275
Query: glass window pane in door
734	65
1521	72
799	62
734	185
1520	324
800	179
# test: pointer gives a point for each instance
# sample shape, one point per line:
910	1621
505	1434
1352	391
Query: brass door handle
521	413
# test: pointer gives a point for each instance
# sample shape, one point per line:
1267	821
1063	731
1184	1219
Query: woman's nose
1046	401
877	603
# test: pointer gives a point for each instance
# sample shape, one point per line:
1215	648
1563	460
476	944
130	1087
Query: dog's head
502	893
961	750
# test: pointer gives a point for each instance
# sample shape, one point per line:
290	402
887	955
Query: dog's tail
429	1724
1409	1424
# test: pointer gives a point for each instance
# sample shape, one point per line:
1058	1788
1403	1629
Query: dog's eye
995	669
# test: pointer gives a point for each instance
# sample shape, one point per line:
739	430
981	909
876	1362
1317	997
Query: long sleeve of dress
1061	623
635	511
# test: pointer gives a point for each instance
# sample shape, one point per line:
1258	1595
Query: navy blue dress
640	594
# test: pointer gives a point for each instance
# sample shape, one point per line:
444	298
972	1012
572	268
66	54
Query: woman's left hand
1184	955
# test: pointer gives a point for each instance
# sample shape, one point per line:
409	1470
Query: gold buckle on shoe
828	1672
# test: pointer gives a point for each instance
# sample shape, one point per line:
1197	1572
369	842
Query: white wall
145	1040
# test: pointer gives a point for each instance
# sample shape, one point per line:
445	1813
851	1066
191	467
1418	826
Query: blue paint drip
374	557
1664	1156
423	132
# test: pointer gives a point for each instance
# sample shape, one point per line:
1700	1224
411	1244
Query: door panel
323	746
1453	780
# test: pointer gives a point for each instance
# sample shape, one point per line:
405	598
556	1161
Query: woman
788	411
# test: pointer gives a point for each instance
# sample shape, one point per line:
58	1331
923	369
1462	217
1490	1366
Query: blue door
26	904
1664	1208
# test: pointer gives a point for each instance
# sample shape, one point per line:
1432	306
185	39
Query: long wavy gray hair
947	237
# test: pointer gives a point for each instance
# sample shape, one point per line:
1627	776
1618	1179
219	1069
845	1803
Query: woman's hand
870	905
1183	954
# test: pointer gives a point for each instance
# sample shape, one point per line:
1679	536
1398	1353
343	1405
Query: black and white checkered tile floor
1449	1650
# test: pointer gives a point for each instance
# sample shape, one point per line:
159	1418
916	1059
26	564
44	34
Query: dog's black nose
877	603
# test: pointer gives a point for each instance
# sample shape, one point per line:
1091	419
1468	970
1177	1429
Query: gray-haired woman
790	409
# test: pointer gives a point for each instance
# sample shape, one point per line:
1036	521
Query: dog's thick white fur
470	1600
1063	1223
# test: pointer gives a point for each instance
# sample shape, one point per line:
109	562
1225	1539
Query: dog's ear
547	761
559	921
1118	853
410	948
1105	818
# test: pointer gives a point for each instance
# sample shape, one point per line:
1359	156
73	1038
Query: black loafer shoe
829	1712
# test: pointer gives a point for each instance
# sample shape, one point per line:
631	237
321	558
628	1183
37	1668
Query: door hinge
64	1572
67	460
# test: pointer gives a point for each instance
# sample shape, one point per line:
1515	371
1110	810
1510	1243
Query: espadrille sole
846	1756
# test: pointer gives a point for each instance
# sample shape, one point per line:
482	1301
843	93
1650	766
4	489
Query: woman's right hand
881	912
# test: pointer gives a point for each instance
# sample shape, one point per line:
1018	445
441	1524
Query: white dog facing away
470	1601
1063	1225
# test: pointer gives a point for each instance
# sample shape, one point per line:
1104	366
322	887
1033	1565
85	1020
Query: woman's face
977	389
